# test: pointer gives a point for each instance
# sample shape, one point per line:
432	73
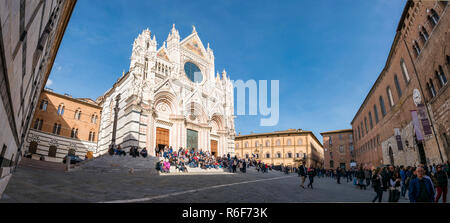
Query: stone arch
195	111
391	155
165	102
217	122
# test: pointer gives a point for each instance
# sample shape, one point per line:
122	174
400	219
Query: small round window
193	72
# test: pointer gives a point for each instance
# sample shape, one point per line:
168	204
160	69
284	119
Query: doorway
162	137
33	147
391	156
422	157
192	140
214	148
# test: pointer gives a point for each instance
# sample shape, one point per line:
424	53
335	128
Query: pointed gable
194	44
162	54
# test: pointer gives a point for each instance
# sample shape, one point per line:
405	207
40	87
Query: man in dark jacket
442	184
302	171
338	175
420	188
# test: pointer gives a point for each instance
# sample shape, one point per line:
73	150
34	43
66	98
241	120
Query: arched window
383	109
416	47
424	34
434	17
278	142
359	133
278	155
441	75
73	133
61	109
77	114
246	156
267	143
256	144
375	112
289	155
389	94
246	144
56	128
365	124
397	86
362	129
94	119
299	142
404	71
431	88
267	155
43	105
90	136
289	142
370	120
237	145
38	124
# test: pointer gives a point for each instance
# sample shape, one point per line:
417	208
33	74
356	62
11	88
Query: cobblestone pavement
32	185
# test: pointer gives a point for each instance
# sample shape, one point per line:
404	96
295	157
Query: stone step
108	163
39	164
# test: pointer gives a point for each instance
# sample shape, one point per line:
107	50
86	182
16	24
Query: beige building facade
63	125
289	148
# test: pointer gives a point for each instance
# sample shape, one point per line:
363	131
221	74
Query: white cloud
49	83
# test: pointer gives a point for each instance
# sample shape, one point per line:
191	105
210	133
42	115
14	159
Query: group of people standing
304	172
421	183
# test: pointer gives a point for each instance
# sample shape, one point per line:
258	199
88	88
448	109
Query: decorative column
116	112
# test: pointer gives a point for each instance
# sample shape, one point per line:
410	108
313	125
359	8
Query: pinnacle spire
193	29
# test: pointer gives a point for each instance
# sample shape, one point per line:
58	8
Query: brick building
338	149
30	35
288	147
404	119
61	125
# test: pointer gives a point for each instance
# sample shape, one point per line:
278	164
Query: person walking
377	185
303	171
338	175
311	175
361	177
368	175
442	184
421	188
234	165
395	187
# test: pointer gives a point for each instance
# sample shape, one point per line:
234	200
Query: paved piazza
34	185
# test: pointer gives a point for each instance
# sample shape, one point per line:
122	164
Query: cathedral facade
170	96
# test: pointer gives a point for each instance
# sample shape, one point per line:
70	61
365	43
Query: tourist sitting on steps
120	152
144	152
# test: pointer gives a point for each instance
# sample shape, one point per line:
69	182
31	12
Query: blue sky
325	53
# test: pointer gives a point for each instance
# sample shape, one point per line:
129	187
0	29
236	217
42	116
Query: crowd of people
420	184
